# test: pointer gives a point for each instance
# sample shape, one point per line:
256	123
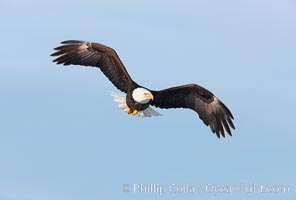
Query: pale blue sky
63	138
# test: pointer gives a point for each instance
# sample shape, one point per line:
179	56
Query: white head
142	95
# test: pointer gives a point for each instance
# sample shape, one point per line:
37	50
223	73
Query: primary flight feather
138	99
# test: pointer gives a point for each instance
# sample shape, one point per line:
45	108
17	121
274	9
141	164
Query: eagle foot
131	112
135	112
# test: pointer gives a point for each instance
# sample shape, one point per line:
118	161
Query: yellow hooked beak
150	96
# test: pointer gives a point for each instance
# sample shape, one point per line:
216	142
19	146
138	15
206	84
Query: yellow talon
129	111
134	112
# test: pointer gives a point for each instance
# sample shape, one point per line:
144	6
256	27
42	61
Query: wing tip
220	134
226	118
72	41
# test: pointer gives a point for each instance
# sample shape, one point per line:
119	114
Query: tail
120	100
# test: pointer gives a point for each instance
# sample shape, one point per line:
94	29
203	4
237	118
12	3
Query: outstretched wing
75	52
209	108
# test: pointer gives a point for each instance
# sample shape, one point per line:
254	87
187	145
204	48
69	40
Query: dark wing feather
209	108
75	52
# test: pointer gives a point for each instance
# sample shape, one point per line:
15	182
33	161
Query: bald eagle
138	99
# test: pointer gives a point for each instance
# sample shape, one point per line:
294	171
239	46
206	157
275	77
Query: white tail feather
121	102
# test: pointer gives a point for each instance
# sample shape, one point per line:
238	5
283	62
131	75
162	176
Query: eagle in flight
138	99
